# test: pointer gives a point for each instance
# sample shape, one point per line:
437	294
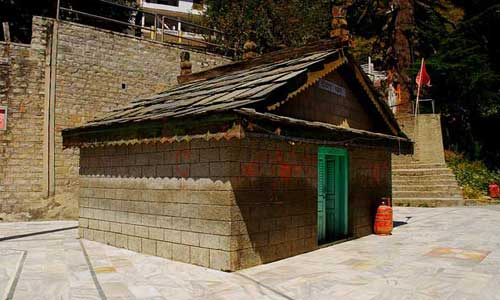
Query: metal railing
424	100
395	107
201	37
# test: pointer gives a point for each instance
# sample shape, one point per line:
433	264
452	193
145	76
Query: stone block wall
22	79
227	205
179	219
275	191
96	71
172	200
369	181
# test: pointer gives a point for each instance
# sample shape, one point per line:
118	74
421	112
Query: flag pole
419	83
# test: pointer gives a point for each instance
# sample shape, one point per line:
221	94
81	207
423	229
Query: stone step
425	179
426	194
411	181
481	202
428	202
414	175
422	172
413	165
415	186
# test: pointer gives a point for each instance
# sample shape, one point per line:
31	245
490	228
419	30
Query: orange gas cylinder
383	219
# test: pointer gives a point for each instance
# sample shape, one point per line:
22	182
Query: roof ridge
271	57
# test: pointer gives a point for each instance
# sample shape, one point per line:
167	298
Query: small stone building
243	164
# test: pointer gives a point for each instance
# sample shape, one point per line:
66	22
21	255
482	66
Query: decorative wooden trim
332	151
368	91
234	132
312	78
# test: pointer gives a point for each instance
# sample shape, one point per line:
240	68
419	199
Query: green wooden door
321	198
332	194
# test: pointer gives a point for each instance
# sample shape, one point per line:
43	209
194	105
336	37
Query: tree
19	14
276	23
103	9
466	85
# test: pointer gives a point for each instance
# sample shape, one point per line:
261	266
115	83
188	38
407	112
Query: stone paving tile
55	267
438	253
16	228
10	261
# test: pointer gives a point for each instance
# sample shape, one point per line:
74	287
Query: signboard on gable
3	118
332	87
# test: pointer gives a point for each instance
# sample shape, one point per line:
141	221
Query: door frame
342	155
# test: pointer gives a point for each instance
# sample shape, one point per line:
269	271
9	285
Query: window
165	2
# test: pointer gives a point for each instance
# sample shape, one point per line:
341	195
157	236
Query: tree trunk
402	49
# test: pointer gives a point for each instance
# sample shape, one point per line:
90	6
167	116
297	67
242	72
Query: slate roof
251	89
233	90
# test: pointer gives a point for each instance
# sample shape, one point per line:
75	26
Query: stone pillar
250	47
186	65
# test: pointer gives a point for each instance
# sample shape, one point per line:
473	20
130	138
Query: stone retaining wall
22	80
97	70
427	136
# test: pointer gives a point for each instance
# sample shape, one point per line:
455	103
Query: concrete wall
221	204
426	132
96	71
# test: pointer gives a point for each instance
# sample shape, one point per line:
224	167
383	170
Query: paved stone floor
434	253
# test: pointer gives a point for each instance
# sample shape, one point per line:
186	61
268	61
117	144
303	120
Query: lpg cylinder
494	190
383	219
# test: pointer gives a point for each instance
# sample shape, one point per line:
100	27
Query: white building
175	20
177	8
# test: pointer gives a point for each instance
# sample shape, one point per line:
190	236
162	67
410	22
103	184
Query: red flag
422	76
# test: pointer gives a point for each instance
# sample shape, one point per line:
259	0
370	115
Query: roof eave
325	133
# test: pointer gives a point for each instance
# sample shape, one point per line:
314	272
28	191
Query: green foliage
19	14
276	23
459	41
473	176
472	193
466	86
103	9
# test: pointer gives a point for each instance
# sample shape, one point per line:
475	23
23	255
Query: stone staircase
423	179
428	185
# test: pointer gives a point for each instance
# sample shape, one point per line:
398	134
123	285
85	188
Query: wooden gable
333	100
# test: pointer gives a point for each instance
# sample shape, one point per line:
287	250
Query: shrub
473	176
472	193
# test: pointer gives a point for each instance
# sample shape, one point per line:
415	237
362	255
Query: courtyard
434	253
